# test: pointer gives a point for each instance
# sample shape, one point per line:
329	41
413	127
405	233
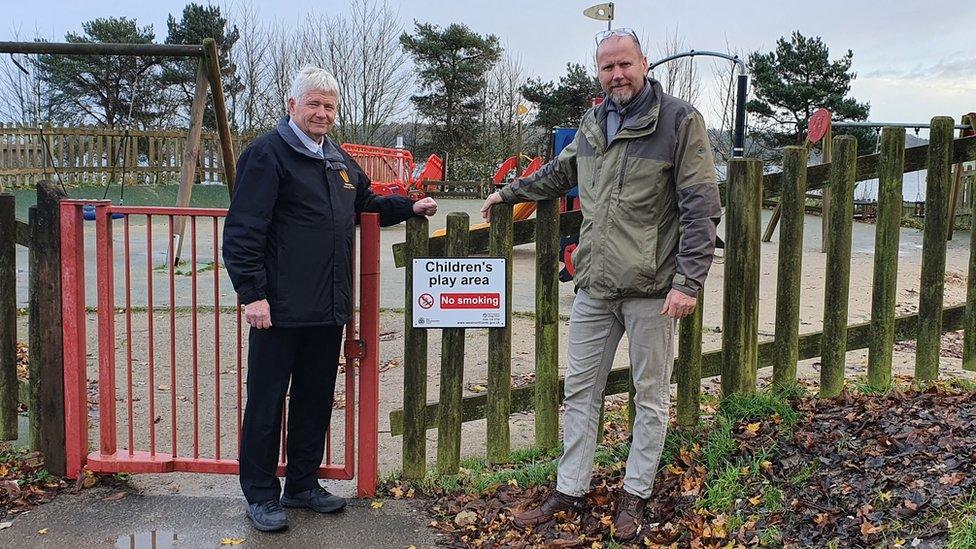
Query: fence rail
92	155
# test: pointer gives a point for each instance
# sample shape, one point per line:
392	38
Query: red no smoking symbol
426	301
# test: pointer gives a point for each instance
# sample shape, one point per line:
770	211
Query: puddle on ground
155	539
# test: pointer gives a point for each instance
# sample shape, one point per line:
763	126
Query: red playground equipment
391	170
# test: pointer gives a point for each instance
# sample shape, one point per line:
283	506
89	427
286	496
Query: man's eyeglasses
623	31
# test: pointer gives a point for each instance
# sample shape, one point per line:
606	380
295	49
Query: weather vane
601	12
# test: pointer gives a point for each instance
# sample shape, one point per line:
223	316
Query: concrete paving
95	519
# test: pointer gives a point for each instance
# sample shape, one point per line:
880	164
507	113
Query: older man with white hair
286	246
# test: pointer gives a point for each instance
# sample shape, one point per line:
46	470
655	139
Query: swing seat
88	211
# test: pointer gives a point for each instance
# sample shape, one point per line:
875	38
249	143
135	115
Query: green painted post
740	310
500	343
837	288
789	270
452	365
414	361
932	285
689	365
547	324
888	232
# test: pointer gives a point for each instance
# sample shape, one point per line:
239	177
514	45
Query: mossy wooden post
887	234
827	157
547	324
932	283
969	339
414	361
452	365
833	349
8	319
500	343
740	311
689	365
788	273
46	345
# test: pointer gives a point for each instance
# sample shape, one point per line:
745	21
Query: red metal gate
178	425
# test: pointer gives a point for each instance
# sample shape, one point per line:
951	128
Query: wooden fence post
500	343
414	360
932	283
969	339
887	234
46	346
833	349
8	319
689	365
740	311
547	324
452	365
792	205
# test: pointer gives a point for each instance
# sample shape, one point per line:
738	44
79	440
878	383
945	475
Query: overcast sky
914	59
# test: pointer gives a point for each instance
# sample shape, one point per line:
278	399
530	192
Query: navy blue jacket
288	233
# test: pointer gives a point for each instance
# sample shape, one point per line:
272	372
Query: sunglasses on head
623	31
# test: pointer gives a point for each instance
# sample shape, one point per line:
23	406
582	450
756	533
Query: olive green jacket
649	198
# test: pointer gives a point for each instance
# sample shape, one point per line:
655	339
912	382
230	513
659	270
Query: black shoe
317	499
267	516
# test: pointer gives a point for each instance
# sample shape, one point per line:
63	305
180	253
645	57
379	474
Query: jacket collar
647	107
332	156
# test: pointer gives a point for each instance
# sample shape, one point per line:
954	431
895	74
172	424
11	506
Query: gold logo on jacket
345	180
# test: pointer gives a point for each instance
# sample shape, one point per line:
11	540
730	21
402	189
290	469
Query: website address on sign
470	301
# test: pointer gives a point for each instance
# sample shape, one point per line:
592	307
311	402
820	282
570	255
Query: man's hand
678	304
425	206
258	314
493	198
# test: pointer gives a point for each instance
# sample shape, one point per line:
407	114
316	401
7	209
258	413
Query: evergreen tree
792	82
453	64
102	89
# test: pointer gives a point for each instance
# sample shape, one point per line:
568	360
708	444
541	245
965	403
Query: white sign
459	293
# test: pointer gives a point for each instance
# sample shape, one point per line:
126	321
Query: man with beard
650	204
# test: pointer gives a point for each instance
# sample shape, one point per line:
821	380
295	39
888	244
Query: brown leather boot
630	510
555	502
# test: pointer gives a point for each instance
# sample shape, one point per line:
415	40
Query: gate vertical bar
128	335
369	310
74	337
106	328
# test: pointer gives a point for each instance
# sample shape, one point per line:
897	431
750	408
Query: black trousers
309	357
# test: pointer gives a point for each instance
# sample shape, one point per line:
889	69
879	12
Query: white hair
310	78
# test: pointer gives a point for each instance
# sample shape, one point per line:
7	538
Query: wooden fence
741	354
93	155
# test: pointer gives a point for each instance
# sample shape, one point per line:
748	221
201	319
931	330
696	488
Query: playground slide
522	210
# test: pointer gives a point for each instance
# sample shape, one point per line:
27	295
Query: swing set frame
207	78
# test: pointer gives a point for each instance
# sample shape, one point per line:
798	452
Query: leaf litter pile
856	471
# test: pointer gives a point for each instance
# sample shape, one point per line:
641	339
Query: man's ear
291	105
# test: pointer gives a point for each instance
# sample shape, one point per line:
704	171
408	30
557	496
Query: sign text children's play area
459	293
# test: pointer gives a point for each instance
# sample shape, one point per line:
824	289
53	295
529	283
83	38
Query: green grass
203	196
962	534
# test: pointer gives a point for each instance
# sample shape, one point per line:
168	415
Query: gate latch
355	349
